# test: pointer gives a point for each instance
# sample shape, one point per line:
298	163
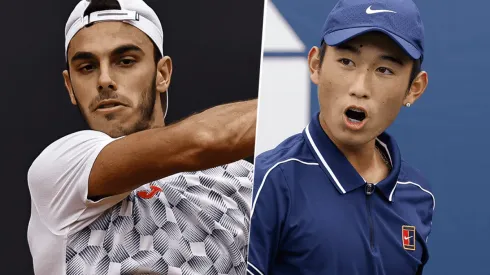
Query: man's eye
87	68
127	61
346	62
385	70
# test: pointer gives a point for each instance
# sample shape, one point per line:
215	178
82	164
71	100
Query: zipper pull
369	189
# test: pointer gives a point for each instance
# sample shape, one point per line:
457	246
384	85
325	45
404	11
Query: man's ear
314	64
417	88
164	74
69	87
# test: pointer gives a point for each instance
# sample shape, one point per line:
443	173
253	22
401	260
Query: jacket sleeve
271	200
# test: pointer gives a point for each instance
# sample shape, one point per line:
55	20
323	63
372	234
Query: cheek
135	82
389	93
84	91
389	106
331	89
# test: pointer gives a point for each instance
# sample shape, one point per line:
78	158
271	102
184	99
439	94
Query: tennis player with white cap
119	198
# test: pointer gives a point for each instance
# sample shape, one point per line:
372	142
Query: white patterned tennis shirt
189	223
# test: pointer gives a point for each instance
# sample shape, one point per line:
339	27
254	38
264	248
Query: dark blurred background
216	52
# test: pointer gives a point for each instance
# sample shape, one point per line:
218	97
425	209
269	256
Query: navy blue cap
399	19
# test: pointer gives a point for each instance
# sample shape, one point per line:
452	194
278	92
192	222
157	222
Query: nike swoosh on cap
370	11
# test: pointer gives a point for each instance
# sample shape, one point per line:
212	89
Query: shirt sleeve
426	254
269	211
58	182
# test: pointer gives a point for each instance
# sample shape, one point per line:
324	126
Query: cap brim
340	36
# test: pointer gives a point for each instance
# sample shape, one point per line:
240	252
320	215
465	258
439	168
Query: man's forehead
379	41
102	38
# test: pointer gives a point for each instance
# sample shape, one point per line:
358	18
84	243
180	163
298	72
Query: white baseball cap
133	12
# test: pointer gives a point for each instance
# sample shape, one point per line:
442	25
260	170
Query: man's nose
360	87
106	81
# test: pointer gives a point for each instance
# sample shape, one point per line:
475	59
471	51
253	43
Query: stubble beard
145	109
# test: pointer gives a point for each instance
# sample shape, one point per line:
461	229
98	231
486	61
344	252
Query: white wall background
284	96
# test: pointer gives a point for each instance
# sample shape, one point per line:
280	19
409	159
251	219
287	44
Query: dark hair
416	67
100	5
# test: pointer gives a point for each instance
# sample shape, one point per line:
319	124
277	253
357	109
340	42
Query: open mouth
355	115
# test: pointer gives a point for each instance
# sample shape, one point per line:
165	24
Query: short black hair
101	5
416	67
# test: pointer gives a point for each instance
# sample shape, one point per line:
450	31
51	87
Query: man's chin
122	130
113	132
354	139
113	128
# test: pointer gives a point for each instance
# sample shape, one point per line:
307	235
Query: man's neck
365	159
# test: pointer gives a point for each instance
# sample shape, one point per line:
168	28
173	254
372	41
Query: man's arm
217	136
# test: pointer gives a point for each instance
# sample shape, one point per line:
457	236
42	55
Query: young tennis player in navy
338	198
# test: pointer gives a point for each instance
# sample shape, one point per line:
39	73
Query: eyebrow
355	50
117	51
392	59
82	56
126	48
349	48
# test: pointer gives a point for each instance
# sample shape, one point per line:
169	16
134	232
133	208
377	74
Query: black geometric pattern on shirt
197	225
101	224
103	265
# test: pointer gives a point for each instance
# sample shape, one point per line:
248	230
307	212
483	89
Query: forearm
230	132
214	137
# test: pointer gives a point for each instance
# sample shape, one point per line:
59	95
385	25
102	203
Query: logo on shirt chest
408	237
148	195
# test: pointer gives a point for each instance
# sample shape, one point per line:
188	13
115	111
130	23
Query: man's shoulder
76	138
82	136
409	175
68	150
292	151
